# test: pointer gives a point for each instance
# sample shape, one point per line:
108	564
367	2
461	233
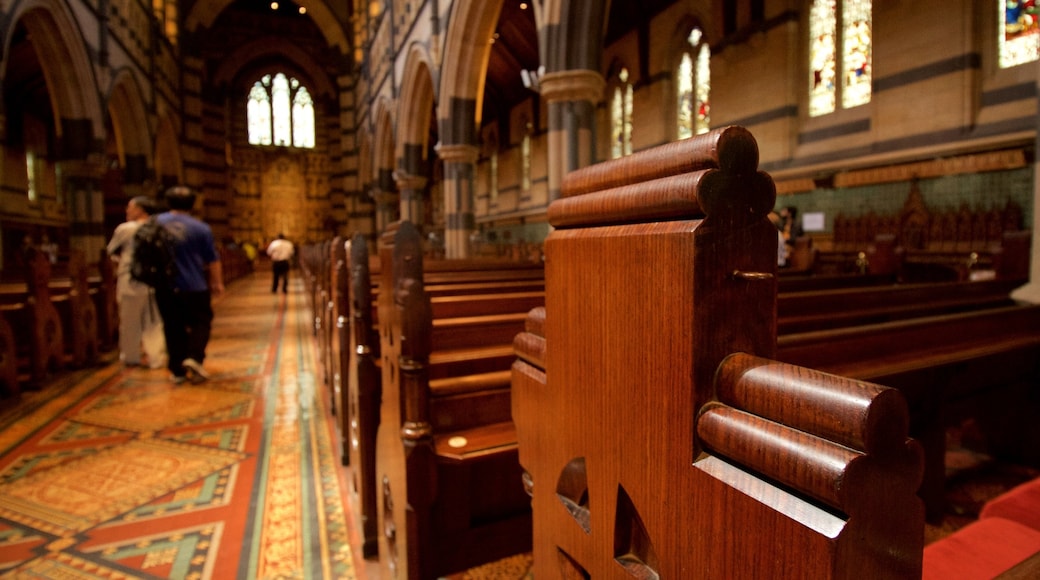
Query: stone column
81	185
459	167
386	210
1031	291
572	97
411	188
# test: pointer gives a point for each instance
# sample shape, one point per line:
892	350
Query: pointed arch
464	71
64	58
364	161
272	49
383	144
417	101
126	108
169	166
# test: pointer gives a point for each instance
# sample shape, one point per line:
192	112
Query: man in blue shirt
187	309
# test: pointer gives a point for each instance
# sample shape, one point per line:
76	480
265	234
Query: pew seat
981	550
1021	504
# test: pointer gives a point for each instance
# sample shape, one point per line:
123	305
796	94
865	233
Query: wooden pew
657	439
459	290
822	309
103	291
949	366
28	307
8	360
449	495
363	392
52	313
78	314
339	340
315	269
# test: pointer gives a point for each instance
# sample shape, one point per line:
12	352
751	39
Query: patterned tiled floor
118	473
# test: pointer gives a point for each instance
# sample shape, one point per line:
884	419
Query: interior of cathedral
581	288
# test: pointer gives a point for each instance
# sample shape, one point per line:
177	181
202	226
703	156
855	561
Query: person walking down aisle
140	326
187	309
280	251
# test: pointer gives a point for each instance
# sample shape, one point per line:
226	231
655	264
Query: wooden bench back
447	474
642	441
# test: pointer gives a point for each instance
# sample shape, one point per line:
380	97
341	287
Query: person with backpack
140	325
186	307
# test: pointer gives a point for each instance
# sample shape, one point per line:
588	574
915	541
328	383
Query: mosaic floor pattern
117	473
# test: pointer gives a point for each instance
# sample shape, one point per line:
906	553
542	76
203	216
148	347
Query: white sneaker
196	368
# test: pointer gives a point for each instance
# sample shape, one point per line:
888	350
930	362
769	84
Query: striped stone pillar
460	163
81	186
572	96
386	210
411	188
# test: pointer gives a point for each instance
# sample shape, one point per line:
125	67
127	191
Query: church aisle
117	473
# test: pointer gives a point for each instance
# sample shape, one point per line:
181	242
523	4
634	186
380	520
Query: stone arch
268	49
169	165
365	167
204	14
417	101
383	144
464	70
384	190
126	109
66	66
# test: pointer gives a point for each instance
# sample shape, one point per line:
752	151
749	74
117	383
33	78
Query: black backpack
153	262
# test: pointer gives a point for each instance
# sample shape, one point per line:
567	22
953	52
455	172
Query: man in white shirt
280	251
140	324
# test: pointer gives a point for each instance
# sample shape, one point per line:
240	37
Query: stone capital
572	85
408	181
458	153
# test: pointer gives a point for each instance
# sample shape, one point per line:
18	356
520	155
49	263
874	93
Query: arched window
1019	34
621	117
525	158
280	112
852	62
694	86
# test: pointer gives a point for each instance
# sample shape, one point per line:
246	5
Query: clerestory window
1019	34
840	50
621	117
694	86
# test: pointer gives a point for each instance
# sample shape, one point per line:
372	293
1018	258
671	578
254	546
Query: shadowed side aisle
116	472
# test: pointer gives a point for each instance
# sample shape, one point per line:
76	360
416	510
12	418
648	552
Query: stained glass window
822	27
857	50
31	175
525	158
853	60
694	86
621	117
493	177
1019	34
258	111
303	119
280	111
